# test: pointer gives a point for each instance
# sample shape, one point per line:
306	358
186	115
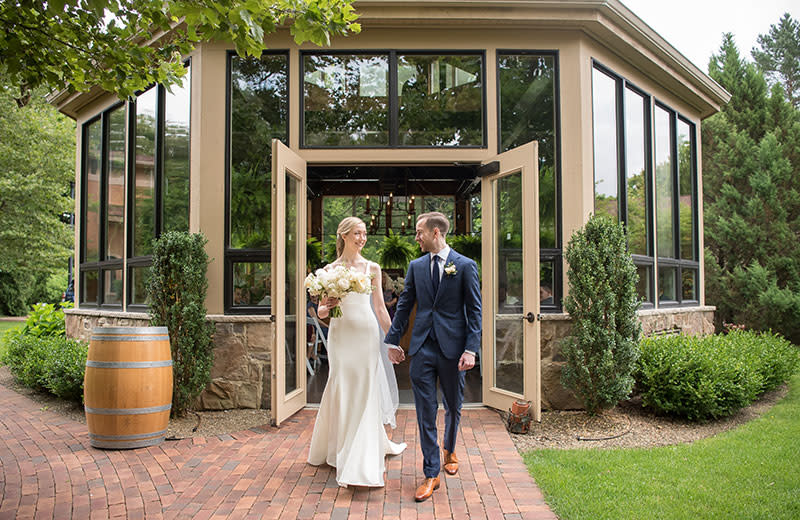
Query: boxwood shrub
51	363
704	378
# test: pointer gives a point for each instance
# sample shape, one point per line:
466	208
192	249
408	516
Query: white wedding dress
349	433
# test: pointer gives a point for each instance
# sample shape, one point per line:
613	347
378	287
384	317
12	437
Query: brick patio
48	470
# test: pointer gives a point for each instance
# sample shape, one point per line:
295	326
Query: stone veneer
243	350
241	374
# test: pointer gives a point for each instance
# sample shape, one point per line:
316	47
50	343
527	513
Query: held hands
466	362
396	354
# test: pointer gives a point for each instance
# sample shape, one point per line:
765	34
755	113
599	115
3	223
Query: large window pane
91	218
115	185
175	180
258	115
144	226
527	113
440	100
686	196
664	200
605	124
345	100
635	171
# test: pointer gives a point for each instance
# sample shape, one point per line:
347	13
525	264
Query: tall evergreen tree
752	202
779	56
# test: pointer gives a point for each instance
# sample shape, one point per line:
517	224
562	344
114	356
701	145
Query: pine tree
779	56
752	203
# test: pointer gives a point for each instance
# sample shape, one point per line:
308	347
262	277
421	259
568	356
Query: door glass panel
290	366
509	359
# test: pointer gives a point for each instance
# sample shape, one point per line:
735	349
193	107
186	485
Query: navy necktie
435	274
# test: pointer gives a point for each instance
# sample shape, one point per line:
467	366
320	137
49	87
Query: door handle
530	317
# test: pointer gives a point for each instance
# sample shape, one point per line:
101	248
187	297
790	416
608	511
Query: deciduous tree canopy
126	45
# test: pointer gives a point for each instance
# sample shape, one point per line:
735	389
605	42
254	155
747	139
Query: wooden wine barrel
127	388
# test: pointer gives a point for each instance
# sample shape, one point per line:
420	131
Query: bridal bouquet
337	283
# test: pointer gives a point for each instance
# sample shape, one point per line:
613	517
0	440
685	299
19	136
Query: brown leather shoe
450	463
425	491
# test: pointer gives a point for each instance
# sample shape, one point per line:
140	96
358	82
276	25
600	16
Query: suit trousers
427	366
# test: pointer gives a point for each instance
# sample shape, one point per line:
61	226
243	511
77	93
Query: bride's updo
345	226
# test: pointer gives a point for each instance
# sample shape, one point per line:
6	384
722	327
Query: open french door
288	273
511	360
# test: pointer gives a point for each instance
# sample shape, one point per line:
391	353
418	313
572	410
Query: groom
445	339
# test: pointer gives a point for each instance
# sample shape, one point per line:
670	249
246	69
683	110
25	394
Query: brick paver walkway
48	470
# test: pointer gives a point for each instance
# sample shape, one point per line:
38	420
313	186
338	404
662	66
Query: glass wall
528	97
668	149
159	176
102	211
258	113
350	100
149	153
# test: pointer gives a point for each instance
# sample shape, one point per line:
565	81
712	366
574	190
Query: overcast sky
695	27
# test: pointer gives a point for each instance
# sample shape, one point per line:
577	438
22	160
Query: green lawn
4	326
752	472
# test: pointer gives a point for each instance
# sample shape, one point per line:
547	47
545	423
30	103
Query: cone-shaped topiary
602	351
177	294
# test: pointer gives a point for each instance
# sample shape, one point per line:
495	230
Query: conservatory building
517	119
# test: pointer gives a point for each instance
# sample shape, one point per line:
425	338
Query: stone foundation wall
241	374
243	351
555	327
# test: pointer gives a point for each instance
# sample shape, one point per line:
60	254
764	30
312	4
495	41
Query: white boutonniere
450	269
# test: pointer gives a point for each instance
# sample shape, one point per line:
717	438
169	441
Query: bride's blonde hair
345	226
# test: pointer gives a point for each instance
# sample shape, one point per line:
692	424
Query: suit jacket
454	312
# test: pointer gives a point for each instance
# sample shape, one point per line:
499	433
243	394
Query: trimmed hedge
703	378
51	363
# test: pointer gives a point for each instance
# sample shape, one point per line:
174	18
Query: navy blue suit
446	324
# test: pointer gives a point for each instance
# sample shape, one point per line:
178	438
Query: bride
361	393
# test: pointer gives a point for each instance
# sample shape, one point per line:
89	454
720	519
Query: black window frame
102	264
652	260
546	255
678	263
133	262
253	255
393	105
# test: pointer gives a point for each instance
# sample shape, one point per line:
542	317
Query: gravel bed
626	426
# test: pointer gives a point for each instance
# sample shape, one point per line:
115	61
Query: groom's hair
435	220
